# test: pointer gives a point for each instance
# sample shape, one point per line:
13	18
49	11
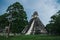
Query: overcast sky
45	8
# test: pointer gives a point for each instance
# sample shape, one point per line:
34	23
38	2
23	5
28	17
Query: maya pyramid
35	26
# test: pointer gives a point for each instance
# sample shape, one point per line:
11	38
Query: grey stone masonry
35	26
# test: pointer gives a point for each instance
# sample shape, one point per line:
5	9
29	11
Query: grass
31	37
2	38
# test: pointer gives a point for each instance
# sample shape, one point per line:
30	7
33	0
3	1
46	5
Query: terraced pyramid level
35	26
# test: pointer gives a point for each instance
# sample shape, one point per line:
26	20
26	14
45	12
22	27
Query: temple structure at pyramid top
35	26
35	14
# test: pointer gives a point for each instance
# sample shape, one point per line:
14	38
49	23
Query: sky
45	8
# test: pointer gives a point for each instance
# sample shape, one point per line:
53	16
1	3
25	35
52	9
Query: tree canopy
17	15
54	25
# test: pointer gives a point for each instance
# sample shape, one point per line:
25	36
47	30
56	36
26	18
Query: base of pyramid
35	26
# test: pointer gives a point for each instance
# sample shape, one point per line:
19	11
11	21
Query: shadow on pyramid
35	26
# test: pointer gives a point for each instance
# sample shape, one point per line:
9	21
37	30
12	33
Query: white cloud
45	8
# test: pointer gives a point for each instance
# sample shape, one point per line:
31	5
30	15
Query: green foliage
18	17
2	38
32	37
54	25
3	21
